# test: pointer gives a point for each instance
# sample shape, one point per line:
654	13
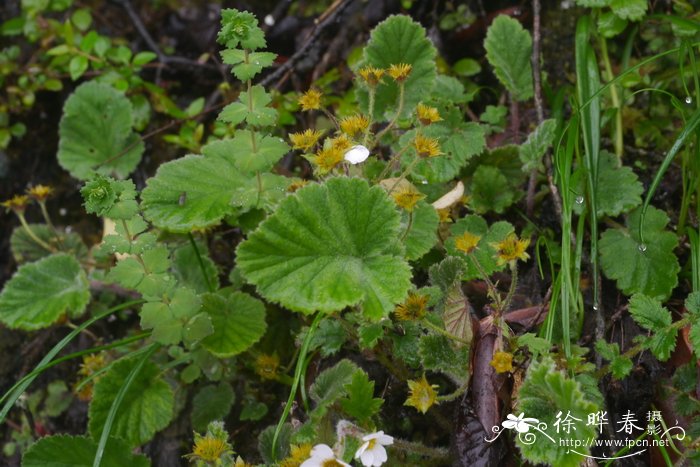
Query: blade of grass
106	430
15	393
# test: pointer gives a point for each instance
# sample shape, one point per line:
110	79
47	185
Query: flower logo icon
519	423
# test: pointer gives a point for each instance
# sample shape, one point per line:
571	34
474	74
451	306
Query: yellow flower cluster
305	140
426	147
17	203
407	197
371	75
427	115
40	192
310	100
467	242
266	366
511	249
502	362
400	71
354	125
298	453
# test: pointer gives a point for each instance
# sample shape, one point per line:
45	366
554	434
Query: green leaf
170	320
422	235
331	384
329	337
25	249
79	451
77	66
438	354
610	25
238	320
252	109
399	39
40	293
369	335
240	27
508	48
251	152
191	193
188	272
620	365
111	198
490	190
329	246
95	133
211	403
484	253
649	314
459	142
618	189
245	70
360	402
652	268
593	3
633	10
545	392
147	406
533	149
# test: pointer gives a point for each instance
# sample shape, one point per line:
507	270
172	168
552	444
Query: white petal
380	455
451	197
322	451
313	462
368	458
357	154
385	440
362	449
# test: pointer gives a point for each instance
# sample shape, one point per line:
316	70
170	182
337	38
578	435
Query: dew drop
63	211
424	182
595	306
688	100
642	247
579	199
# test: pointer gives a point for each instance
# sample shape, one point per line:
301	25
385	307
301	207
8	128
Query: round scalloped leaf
329	246
399	39
79	451
96	133
651	269
193	192
25	249
508	48
251	152
238	321
41	292
212	402
422	235
147	406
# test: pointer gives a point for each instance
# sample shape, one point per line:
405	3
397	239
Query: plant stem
408	227
615	100
403	175
32	235
372	91
444	332
392	161
399	110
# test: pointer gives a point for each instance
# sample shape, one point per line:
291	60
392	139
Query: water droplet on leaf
642	247
688	100
579	199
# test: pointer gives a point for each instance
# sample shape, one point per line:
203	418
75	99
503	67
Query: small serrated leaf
79	451
211	403
238	321
534	148
648	313
360	402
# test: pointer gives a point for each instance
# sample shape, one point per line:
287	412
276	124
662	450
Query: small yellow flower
407	197
445	215
354	125
91	365
294	186
241	463
427	115
305	140
327	159
266	366
341	143
310	100
511	249
297	455
400	72
413	309
502	362
371	75
17	203
467	242
426	147
210	449
40	192
422	394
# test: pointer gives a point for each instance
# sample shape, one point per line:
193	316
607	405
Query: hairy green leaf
251	152
399	39
79	451
508	48
484	254
212	402
491	190
63	289
238	320
329	246
190	193
147	406
633	10
96	133
650	268
25	249
422	234
620	365
360	402
649	314
251	107
545	393
534	148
